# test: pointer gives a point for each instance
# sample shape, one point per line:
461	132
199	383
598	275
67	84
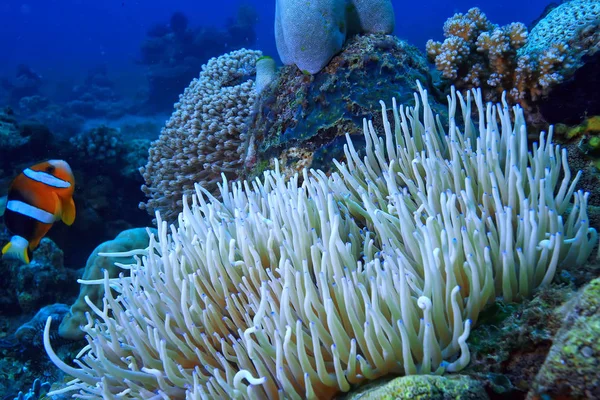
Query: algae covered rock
28	287
45	279
301	119
422	387
572	367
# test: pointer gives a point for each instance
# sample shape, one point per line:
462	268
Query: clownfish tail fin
17	249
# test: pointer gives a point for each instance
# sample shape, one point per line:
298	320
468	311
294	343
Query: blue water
63	39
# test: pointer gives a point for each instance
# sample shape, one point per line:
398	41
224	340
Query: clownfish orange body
37	197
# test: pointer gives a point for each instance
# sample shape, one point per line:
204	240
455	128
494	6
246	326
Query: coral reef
56	116
302	119
10	136
174	53
576	25
305	290
65	112
29	334
135	156
566	23
29	287
26	82
96	97
22	359
102	147
206	135
477	53
527	65
309	34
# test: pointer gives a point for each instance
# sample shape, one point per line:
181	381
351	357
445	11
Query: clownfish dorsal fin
3	201
68	211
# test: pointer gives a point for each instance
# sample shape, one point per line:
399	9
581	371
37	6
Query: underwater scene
300	199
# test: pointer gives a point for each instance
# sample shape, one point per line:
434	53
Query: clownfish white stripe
46	178
30	211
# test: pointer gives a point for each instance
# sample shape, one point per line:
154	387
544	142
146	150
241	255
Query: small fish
37	197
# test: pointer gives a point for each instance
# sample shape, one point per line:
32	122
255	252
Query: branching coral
302	290
205	136
477	53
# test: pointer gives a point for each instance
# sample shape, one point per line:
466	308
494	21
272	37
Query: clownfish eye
50	169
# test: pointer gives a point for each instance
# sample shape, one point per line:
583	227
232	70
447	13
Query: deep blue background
62	39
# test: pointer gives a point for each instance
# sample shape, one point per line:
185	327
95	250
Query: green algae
572	368
422	387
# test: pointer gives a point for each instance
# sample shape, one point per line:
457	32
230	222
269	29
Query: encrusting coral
564	25
205	136
304	290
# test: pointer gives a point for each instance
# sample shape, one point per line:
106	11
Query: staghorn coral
293	290
205	135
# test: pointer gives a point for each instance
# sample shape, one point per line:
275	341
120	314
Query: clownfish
37	197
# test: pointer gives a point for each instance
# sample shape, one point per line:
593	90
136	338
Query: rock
45	279
30	334
309	34
28	287
511	340
422	387
572	367
302	119
582	91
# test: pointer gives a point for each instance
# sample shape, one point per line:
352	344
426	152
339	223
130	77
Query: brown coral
205	136
477	53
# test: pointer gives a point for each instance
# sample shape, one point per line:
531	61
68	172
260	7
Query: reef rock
571	369
302	119
422	387
10	136
309	34
27	287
